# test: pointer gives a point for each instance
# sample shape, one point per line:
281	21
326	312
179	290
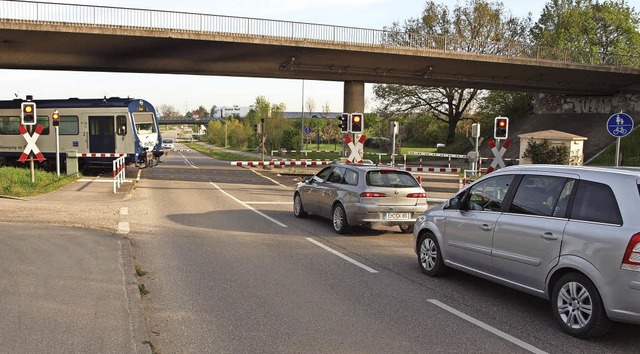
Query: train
94	130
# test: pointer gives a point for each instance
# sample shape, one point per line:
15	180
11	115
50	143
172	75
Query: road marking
249	207
123	211
487	327
139	173
270	179
187	162
273	203
348	259
123	227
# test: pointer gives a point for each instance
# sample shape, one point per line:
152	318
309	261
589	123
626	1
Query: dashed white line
346	258
487	327
249	207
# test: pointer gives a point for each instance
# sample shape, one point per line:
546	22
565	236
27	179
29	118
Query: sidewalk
67	279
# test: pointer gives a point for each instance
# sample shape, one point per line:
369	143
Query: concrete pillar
353	97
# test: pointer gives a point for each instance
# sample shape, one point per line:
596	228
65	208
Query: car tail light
631	260
417	195
372	195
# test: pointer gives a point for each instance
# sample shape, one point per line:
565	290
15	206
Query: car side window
336	175
596	202
351	177
322	175
538	195
489	194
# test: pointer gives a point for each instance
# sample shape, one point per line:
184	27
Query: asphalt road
232	270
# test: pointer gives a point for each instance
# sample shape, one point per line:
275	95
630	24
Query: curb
138	325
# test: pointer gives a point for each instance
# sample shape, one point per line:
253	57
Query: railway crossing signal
357	123
28	110
501	128
56	118
344	122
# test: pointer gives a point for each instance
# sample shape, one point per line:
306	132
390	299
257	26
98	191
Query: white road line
348	259
270	179
187	162
101	180
123	228
487	327
273	203
249	207
139	173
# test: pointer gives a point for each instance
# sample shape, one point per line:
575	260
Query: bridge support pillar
353	97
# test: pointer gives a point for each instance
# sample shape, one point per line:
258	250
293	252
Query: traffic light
501	128
28	113
56	118
357	123
344	122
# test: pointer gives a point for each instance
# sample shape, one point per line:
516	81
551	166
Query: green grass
629	147
16	182
219	154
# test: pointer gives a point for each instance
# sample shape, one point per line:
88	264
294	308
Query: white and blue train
88	127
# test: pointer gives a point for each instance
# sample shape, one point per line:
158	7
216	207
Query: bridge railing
244	26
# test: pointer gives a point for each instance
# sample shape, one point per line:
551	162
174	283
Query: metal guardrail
16	10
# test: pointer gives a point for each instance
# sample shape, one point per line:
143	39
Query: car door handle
549	236
485	227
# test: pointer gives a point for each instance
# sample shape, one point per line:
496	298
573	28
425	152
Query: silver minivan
568	234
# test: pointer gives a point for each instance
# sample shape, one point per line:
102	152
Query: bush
544	153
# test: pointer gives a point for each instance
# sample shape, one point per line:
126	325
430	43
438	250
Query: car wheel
406	229
578	308
430	257
298	209
339	219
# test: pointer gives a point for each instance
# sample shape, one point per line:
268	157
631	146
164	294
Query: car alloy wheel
578	308
339	219
298	209
429	256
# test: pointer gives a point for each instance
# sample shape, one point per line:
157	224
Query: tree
598	32
479	26
166	110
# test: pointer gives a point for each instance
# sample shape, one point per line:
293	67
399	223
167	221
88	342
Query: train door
101	134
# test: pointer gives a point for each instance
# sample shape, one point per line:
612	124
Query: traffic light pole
57	152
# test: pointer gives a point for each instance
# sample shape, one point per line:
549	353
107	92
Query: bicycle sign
620	125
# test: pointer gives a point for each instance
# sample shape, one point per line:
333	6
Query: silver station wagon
567	234
361	194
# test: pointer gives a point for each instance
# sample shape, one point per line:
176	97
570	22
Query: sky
188	92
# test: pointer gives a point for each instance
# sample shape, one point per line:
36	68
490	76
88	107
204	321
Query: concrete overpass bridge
48	36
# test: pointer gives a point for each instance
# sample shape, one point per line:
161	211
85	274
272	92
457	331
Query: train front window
9	125
145	124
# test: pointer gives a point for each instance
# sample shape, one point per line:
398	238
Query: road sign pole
31	164
618	152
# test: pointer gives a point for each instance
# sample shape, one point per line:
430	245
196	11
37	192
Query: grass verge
219	154
16	182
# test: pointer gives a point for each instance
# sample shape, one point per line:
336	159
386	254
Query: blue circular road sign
307	130
620	125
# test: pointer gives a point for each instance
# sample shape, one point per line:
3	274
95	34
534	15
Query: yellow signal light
28	109
56	115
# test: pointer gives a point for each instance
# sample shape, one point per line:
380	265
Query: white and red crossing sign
498	154
354	155
31	143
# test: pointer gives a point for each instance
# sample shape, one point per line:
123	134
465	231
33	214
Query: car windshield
168	141
391	178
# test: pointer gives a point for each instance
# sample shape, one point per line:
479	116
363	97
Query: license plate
397	216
